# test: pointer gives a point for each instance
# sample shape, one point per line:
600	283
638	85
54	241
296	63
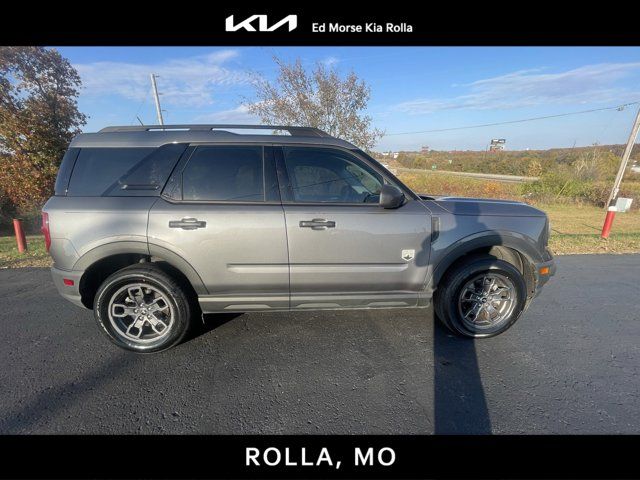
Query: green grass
576	229
573	243
35	256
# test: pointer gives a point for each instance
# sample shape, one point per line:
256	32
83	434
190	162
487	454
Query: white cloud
184	82
330	61
587	84
238	115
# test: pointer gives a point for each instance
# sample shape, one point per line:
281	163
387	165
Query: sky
413	89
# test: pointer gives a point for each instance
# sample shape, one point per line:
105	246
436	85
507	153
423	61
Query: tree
38	118
319	98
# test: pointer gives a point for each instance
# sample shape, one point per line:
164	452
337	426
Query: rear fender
142	248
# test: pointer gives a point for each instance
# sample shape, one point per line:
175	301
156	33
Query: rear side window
64	173
224	173
123	171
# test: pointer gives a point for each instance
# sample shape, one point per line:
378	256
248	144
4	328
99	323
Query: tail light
45	230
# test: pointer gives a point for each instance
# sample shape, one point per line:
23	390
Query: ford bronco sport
150	226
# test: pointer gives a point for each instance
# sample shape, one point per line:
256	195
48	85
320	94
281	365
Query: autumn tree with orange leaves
38	118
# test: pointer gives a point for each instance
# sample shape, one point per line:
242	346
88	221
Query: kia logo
263	23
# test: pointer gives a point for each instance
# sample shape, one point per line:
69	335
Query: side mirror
391	197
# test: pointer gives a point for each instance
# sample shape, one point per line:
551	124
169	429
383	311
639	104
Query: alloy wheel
140	313
487	301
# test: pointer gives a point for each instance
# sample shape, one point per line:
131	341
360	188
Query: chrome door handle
317	224
187	223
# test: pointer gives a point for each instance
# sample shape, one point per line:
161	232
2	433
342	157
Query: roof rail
294	131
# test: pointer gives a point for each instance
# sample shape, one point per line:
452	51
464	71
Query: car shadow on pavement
460	406
211	321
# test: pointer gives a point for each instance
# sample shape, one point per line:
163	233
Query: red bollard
608	221
21	238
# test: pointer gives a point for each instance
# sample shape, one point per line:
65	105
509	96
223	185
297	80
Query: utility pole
157	98
611	208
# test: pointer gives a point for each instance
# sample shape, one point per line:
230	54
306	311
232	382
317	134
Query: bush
581	175
31	219
553	187
7	211
586	163
456	186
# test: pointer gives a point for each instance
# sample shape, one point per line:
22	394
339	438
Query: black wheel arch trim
111	248
524	245
142	248
182	265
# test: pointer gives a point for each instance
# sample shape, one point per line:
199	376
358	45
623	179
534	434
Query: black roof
156	135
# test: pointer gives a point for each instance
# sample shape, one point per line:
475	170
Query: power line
616	107
144	100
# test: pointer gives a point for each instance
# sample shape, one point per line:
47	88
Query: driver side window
324	175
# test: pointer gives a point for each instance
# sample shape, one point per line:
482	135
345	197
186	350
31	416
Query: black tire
152	285
449	307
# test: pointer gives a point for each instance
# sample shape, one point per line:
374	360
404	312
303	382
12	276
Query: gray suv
152	226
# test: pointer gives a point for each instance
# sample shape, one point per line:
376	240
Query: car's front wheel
481	298
143	309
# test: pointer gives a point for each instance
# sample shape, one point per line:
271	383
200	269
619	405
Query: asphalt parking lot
570	365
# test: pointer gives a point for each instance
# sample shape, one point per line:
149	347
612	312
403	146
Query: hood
484	206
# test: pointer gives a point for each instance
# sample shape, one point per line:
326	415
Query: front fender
521	243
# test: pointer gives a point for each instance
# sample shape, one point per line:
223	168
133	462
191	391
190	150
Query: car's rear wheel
143	309
481	298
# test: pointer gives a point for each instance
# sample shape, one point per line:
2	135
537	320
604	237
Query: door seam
286	236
